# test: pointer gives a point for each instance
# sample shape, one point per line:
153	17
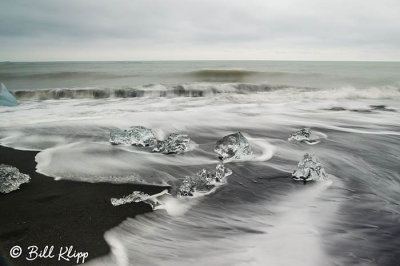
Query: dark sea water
261	216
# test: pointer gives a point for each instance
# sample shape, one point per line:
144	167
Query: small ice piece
201	182
309	169
204	181
11	178
137	135
301	135
135	196
234	146
139	196
6	98
175	143
221	172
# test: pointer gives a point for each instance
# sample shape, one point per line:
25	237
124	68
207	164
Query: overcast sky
46	30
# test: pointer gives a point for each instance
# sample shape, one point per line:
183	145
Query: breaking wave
210	89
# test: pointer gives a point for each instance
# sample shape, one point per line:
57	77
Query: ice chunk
303	135
6	98
234	146
203	182
136	135
309	169
175	143
11	178
120	137
135	196
221	172
138	196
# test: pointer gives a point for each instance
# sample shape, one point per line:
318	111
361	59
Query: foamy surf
272	240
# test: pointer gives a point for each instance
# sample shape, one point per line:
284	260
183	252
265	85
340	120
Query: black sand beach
60	213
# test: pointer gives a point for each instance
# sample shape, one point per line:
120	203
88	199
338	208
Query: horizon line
197	60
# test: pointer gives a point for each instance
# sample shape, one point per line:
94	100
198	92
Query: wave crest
210	89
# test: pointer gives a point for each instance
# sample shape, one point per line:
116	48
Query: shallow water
261	216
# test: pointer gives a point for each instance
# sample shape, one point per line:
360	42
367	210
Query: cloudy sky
47	30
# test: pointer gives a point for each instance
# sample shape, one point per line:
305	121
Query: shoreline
46	212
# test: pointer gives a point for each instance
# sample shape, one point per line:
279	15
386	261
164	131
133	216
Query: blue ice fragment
6	99
233	147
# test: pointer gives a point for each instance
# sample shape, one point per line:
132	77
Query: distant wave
202	75
209	89
64	75
231	75
238	75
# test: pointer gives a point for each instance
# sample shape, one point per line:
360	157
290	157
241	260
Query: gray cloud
187	29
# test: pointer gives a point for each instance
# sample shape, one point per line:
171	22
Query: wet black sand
60	213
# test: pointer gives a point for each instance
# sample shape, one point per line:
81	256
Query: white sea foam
102	162
178	206
73	134
263	149
206	235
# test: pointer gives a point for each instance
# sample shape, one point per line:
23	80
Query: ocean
261	216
